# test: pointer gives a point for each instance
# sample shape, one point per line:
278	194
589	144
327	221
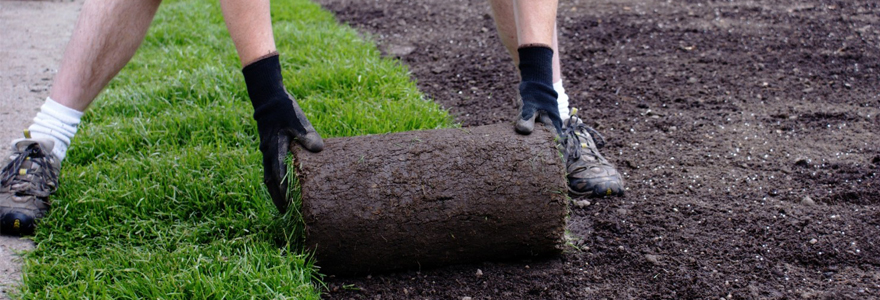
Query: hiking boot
589	173
26	181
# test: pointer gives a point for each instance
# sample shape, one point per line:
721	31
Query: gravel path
31	44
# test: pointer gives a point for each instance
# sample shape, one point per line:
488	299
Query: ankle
57	123
561	99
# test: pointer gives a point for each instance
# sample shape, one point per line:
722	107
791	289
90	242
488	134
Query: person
108	33
527	29
105	38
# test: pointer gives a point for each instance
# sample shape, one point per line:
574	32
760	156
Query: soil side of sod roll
419	199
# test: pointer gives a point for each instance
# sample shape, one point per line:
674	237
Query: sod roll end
427	198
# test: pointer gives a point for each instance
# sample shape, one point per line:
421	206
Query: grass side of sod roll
161	194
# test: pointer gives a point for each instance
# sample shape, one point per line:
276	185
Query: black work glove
542	108
280	122
536	90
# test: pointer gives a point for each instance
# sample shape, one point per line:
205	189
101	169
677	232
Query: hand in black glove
537	104
280	122
536	90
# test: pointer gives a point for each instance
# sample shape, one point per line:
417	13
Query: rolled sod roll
428	198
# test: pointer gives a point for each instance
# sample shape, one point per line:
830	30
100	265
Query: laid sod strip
161	195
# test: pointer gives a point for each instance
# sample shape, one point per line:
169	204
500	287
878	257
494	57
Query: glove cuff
265	85
536	64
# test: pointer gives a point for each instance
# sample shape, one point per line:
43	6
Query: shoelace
13	175
572	141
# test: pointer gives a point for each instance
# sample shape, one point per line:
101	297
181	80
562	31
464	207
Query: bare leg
250	25
535	21
505	22
557	67
107	34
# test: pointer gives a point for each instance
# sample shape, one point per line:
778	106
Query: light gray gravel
32	40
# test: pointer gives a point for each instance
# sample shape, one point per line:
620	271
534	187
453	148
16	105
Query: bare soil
747	132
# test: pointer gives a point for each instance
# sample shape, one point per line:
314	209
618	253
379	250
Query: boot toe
17	223
596	181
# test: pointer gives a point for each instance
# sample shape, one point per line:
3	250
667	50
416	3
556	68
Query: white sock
561	99
58	123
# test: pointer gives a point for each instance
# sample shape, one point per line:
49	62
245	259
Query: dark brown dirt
432	198
747	132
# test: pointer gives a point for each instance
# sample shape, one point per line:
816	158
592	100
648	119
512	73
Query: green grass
161	194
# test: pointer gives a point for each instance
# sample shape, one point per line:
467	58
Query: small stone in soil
808	201
582	203
652	259
400	50
479	273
